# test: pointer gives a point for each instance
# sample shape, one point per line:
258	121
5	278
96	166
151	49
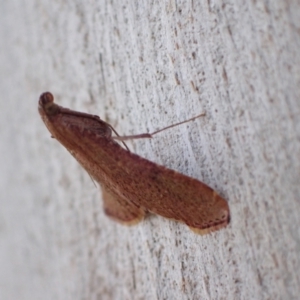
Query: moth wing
175	196
191	202
120	209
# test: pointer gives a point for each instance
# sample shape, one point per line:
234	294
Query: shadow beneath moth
131	185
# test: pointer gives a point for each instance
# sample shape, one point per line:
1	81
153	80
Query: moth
131	185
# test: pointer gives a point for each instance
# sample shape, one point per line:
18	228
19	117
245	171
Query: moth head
47	105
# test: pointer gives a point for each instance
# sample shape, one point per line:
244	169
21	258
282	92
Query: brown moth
131	185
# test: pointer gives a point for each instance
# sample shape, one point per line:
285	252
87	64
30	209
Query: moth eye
51	109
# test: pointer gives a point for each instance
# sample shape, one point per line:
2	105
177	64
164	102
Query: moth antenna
149	135
179	123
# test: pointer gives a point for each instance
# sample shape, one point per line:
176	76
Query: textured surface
141	67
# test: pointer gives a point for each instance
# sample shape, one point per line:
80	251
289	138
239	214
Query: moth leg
120	209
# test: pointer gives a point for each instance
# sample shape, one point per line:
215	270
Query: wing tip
213	226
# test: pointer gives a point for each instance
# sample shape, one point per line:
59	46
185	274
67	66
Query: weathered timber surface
141	66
